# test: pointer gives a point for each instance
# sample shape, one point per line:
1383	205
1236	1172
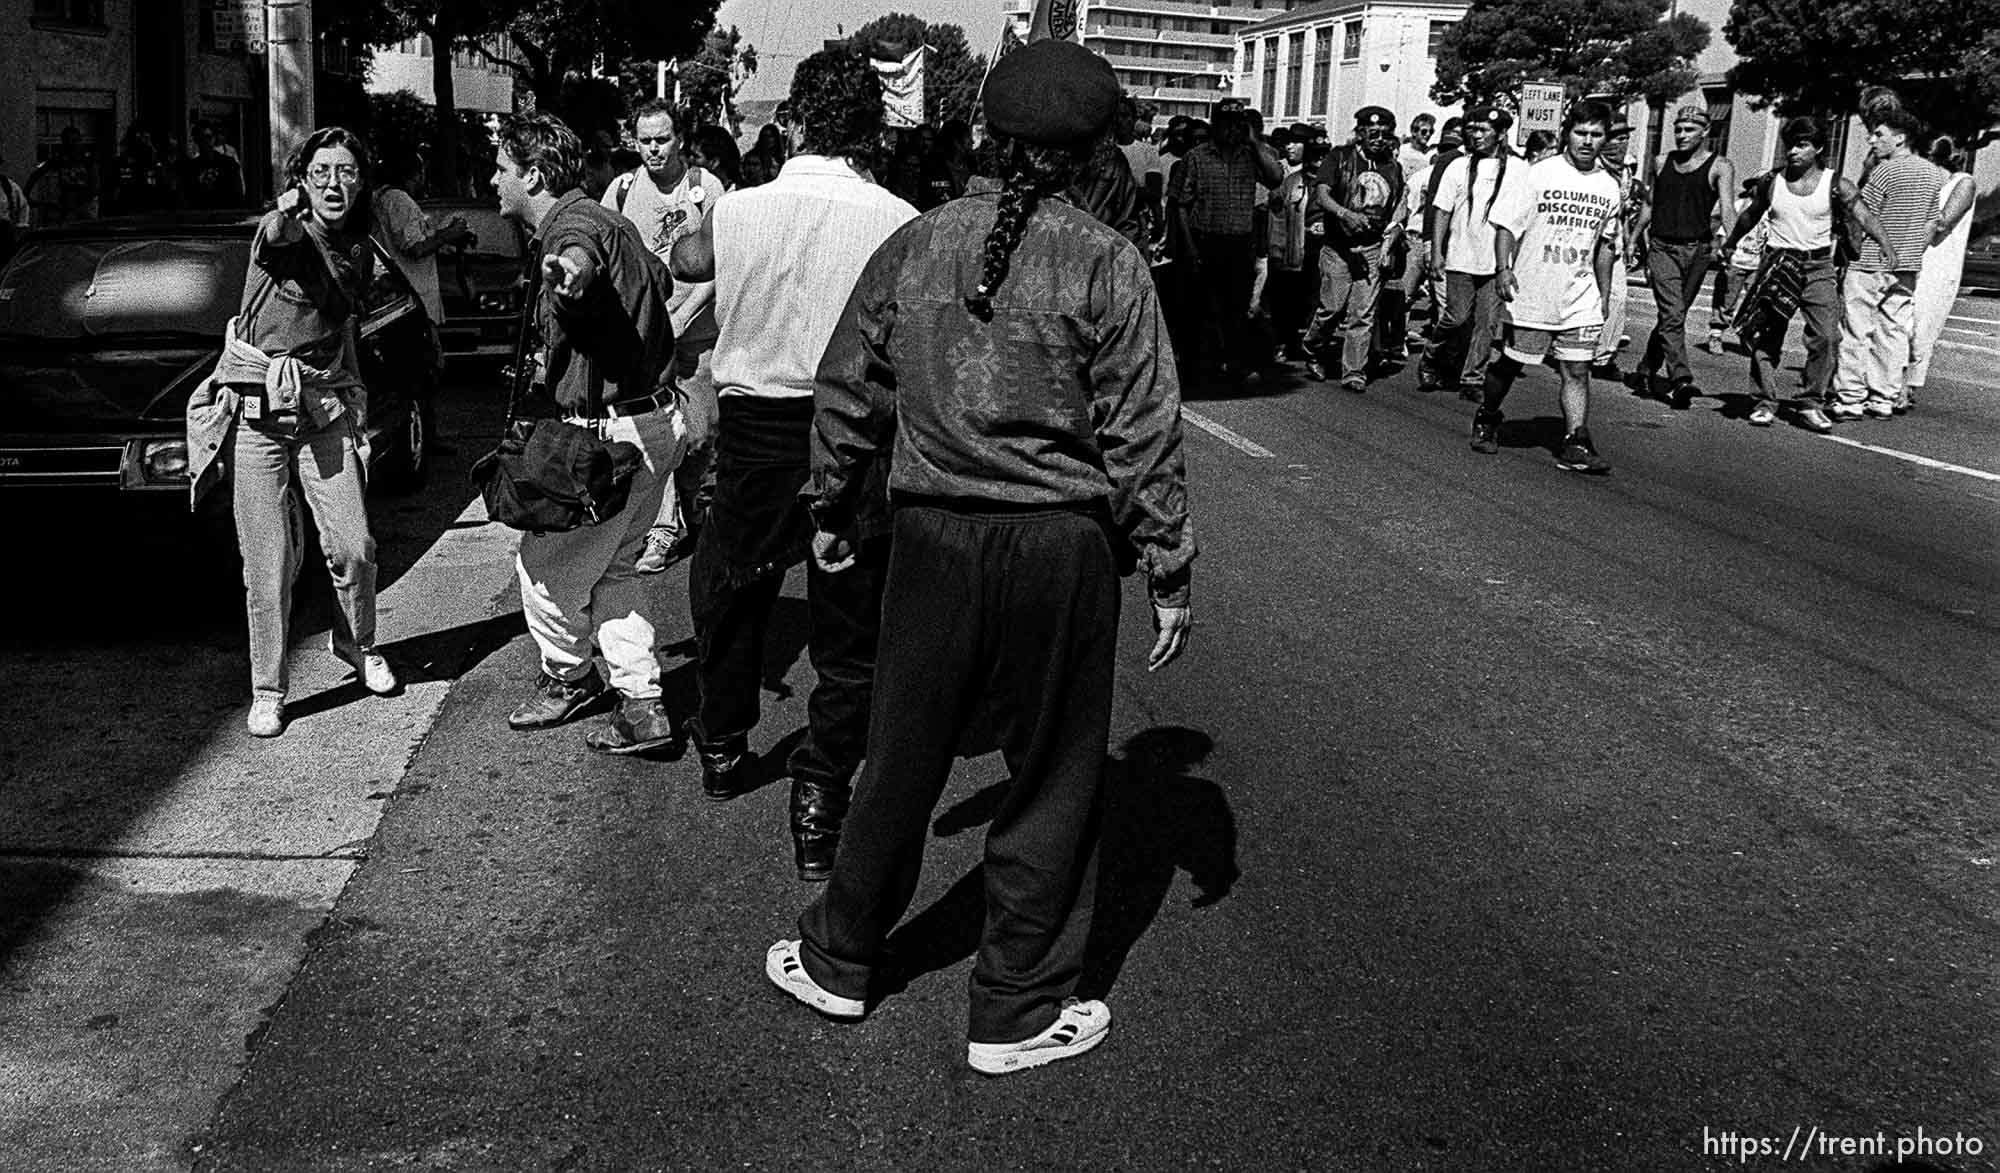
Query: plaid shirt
1218	190
1069	396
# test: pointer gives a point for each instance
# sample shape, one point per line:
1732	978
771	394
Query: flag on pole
903	89
1054	20
1009	41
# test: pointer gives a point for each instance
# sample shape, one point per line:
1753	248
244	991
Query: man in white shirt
1472	187
665	199
784	257
1416	151
1552	272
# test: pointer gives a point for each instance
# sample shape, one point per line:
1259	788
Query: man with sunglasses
1693	206
1356	191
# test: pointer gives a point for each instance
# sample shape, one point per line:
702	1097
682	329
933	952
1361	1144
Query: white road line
1913	458
1245	446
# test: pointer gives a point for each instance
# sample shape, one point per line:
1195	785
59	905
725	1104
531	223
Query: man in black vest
1692	208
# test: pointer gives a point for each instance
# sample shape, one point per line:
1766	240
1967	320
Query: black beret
1052	92
1496	116
1371	117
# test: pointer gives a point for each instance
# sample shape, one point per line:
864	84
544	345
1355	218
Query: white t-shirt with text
1558	217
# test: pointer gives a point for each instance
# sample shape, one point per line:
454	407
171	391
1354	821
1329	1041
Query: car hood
85	391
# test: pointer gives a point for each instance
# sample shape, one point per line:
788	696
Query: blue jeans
1350	280
271	465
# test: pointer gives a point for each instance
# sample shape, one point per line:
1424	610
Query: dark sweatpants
1019	608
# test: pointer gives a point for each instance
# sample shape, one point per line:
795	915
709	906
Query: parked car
1982	257
481	283
106	328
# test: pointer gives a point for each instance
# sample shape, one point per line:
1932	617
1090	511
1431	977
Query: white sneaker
267	716
1080	1026
376	675
788	973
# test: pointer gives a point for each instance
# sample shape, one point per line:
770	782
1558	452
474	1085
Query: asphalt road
1498	819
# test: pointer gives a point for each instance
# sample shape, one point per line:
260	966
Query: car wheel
408	463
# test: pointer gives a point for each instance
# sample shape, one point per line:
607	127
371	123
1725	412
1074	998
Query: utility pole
288	30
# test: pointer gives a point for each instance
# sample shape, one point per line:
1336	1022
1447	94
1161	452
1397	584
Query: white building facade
1320	63
478	83
1181	57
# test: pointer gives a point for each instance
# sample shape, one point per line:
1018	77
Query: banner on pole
1055	20
1541	108
903	89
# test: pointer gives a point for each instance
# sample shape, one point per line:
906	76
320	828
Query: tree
1941	56
553	44
709	81
951	74
447	24
1622	48
556	39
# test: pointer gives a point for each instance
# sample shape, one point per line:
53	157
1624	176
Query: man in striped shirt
1879	315
784	257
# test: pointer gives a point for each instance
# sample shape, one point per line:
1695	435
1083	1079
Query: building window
1438	30
1350	43
89	13
1721	104
1322	70
1270	73
1295	74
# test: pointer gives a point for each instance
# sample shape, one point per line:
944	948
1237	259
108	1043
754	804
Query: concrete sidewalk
167	923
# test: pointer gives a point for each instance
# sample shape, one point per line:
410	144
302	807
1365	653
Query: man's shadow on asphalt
1157	819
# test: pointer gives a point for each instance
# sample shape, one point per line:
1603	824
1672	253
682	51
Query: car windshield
496	235
68	290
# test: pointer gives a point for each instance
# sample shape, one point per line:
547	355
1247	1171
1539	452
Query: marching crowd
965	420
1281	246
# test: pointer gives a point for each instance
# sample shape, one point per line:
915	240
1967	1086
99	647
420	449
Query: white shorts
1527	344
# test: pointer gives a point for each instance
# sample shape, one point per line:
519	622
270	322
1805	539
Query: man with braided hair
784	257
1008	348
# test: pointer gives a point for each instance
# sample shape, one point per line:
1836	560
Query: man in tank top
1799	205
1689	192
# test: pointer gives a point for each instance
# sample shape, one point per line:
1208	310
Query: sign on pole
238	25
1541	109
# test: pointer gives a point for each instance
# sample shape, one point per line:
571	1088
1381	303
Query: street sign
238	25
1541	109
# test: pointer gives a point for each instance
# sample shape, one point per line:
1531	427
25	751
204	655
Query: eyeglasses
319	173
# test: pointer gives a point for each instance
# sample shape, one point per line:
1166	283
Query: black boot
722	772
818	809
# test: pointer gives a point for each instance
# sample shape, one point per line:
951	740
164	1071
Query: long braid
1499	177
1031	173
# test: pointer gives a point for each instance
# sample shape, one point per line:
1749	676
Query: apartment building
1179	56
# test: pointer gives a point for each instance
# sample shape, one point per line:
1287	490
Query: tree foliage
710	80
951	74
556	46
1623	48
1941	56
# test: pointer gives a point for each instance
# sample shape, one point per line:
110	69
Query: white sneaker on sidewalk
376	675
1080	1026
267	716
